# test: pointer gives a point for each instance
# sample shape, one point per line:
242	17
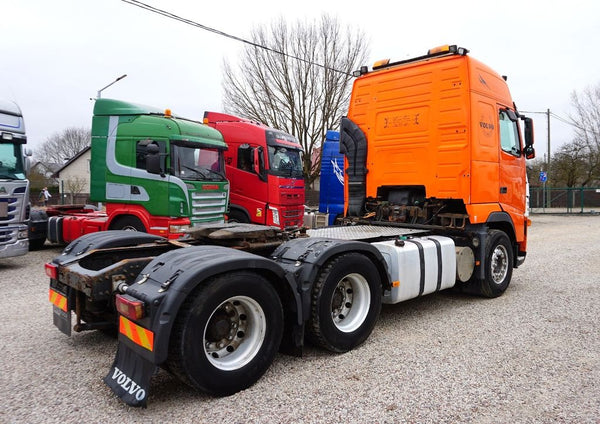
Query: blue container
331	196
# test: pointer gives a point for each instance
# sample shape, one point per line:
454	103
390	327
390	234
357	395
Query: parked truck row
434	198
161	174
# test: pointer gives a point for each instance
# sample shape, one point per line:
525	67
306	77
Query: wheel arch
116	217
503	222
188	269
241	210
304	259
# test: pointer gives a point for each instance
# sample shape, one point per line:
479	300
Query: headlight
22	234
275	213
173	229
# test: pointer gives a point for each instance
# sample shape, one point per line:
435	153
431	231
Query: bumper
19	248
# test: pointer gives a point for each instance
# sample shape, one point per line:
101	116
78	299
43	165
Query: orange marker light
381	63
439	49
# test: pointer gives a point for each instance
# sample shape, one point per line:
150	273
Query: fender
241	210
118	210
498	220
103	240
170	278
303	259
503	221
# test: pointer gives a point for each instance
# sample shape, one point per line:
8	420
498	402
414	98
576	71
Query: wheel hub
499	265
234	333
350	302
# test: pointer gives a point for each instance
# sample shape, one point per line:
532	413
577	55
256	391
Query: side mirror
258	164
529	150
153	159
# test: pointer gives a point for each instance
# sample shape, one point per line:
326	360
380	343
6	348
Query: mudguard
164	284
103	240
169	279
303	258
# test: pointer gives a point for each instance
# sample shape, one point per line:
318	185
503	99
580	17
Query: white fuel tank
418	266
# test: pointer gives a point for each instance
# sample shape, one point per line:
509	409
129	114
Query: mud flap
129	377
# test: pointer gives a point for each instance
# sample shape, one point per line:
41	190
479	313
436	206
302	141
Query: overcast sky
56	55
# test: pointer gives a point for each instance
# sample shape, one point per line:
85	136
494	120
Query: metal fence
564	200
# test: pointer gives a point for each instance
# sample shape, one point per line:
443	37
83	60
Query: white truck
14	186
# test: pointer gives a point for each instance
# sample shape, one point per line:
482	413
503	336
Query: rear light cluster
129	307
51	271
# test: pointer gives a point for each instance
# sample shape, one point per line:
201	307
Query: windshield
285	161
11	162
197	163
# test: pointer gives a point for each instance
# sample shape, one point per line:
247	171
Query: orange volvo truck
435	193
435	140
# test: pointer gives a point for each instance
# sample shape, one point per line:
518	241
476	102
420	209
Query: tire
345	303
227	333
237	216
36	244
498	264
128	223
498	268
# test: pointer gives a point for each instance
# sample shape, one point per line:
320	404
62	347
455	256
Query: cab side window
141	153
244	158
509	134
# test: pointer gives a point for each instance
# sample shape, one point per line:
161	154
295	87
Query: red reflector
51	271
129	307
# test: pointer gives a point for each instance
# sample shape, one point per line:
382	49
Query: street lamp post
104	88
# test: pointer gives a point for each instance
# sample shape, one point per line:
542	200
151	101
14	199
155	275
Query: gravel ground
530	356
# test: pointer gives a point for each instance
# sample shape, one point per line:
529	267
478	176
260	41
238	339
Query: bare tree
570	165
74	186
586	120
304	92
64	145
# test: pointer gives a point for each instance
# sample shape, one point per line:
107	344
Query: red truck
264	168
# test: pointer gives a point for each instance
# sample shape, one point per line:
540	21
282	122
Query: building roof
70	161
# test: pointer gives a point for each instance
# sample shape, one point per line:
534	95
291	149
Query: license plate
61	314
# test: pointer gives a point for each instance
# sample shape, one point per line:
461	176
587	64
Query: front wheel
498	267
227	333
498	264
237	217
128	223
346	301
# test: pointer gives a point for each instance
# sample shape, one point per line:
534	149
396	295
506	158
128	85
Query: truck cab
331	193
444	148
156	172
264	167
14	186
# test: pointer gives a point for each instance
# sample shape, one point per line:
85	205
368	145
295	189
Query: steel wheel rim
350	302
499	264
234	333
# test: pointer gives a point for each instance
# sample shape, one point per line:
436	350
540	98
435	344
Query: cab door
511	164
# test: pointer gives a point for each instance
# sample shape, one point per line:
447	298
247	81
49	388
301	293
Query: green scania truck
152	171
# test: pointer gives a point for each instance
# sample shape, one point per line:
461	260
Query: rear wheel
227	334
128	223
346	301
